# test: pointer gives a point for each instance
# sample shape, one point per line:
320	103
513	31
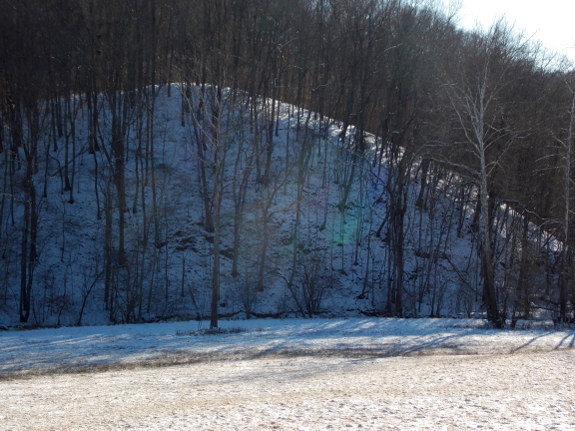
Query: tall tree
483	131
567	234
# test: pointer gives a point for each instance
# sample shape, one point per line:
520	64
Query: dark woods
481	112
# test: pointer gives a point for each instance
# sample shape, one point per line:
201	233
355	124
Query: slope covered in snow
300	204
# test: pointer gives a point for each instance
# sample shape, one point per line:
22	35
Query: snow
265	373
338	249
60	349
288	374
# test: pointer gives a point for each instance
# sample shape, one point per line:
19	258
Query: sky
550	21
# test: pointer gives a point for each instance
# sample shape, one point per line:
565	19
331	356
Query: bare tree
566	252
474	96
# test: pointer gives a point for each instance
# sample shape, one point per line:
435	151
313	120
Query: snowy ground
288	374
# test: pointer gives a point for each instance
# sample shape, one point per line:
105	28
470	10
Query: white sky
550	21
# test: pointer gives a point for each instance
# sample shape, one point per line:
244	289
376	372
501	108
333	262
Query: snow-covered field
105	347
288	374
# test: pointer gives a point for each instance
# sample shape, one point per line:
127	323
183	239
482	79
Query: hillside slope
313	218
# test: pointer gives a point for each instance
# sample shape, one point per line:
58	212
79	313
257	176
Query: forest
165	159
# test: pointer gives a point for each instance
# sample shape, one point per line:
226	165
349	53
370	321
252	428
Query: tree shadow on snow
51	352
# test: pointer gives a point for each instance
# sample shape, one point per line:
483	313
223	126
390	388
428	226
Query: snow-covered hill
304	223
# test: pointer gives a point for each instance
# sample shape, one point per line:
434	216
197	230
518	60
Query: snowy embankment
116	347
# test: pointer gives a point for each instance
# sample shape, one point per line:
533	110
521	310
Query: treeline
488	106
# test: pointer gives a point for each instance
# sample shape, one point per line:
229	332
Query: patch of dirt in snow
527	391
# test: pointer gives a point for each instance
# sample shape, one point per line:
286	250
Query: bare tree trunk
566	253
216	250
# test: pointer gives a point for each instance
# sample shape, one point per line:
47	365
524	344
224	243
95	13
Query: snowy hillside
130	201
